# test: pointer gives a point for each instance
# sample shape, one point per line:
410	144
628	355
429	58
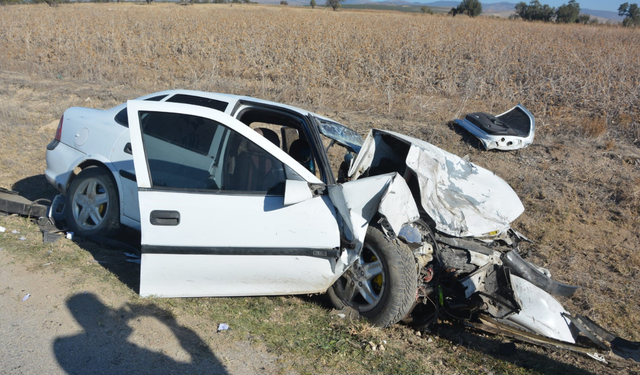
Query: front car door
212	209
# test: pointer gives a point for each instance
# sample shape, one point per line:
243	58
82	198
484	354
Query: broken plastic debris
2	229
69	235
15	231
22	238
26	297
223	327
130	255
46	264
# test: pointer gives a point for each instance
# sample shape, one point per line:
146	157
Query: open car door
213	216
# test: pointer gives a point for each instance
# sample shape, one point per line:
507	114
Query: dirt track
62	329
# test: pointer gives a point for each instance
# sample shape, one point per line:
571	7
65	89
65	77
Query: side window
195	153
198	100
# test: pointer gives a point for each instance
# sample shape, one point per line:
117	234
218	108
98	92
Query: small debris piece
373	346
15	232
22	238
46	264
69	235
223	327
26	297
2	229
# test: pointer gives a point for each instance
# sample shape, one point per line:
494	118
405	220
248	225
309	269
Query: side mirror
296	191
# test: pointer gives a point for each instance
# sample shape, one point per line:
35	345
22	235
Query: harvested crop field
579	180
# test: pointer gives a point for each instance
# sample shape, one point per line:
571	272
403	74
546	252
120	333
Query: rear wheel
93	207
381	284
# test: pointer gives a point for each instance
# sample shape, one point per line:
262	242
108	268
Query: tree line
570	13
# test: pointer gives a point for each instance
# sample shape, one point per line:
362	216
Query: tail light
59	130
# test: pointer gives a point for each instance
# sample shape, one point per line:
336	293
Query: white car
237	196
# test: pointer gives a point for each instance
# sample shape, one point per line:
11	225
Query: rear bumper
61	160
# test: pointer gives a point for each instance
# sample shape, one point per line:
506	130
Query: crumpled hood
464	200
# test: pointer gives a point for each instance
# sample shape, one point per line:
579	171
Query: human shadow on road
105	348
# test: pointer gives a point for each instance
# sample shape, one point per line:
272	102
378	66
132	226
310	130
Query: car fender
359	201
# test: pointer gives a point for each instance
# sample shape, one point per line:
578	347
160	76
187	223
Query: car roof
230	98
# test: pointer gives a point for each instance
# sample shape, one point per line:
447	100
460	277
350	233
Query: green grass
303	332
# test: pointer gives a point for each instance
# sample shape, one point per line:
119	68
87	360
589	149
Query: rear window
122	119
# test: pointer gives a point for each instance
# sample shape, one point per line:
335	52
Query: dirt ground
581	197
64	328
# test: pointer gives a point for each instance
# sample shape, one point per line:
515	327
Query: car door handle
127	149
164	218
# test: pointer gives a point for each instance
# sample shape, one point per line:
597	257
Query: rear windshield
122	119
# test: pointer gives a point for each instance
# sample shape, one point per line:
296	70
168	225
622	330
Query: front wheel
92	207
381	284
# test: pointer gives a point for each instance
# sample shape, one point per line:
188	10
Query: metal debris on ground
12	203
50	232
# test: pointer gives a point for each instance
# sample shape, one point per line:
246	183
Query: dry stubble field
579	181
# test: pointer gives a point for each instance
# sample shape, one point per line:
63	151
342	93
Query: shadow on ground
105	345
521	355
465	136
108	252
35	187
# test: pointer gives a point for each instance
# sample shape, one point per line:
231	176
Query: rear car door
212	209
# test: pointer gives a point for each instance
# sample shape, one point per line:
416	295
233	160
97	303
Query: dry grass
579	181
405	65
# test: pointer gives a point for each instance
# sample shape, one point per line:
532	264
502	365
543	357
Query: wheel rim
364	283
90	204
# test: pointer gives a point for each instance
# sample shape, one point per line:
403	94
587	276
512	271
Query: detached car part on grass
229	207
511	130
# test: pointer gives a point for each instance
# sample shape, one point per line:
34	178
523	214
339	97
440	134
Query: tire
389	281
92	204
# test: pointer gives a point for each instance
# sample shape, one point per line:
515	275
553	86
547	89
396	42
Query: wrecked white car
241	199
508	131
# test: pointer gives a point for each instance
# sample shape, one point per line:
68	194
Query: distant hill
602	14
